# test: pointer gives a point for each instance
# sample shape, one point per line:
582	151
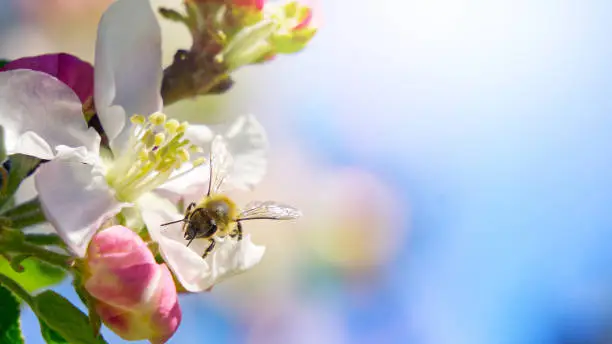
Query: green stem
13	286
44	239
43	254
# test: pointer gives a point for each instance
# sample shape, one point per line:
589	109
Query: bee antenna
210	173
169	223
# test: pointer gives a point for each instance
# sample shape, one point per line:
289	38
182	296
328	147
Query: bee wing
221	164
269	210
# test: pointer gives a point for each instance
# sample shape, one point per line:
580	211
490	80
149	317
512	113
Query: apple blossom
85	186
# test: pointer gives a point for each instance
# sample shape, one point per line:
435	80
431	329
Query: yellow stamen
137	119
157	118
199	161
172	126
159	139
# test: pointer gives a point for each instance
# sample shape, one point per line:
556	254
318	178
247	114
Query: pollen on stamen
199	161
195	149
157	118
183	127
172	126
138	119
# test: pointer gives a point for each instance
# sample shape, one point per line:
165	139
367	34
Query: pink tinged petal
128	68
137	297
256	4
305	21
72	71
76	200
195	274
39	113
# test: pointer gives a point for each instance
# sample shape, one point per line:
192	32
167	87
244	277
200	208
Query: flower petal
128	68
39	113
76	200
247	142
72	71
229	258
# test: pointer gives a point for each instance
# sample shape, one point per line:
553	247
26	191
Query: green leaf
36	274
64	318
51	336
10	331
3	62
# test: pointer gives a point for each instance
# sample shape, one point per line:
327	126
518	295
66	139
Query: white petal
246	140
190	186
229	257
39	112
128	70
76	200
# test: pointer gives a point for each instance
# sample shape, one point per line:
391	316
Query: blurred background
453	160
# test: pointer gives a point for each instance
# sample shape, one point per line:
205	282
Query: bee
216	215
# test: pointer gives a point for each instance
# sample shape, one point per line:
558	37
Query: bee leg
189	208
238	232
210	248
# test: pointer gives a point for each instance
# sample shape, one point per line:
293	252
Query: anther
172	126
199	161
137	119
183	127
157	118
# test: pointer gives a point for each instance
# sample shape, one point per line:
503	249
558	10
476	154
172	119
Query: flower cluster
136	198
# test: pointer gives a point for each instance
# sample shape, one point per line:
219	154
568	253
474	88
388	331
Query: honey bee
216	215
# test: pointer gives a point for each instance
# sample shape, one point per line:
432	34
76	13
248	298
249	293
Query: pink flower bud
136	297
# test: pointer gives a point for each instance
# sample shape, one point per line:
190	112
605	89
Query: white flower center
155	150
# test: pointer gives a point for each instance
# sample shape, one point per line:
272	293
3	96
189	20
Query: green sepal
289	43
249	44
3	62
172	15
94	318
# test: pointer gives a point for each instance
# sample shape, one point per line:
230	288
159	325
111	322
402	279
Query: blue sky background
492	121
